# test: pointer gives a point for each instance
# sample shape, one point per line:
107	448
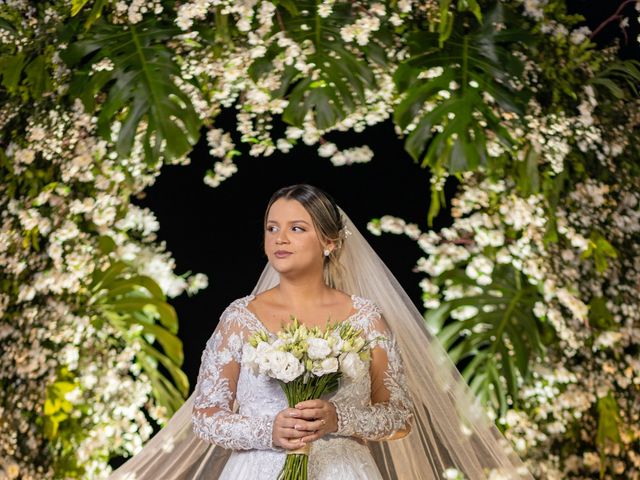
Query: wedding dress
449	427
223	378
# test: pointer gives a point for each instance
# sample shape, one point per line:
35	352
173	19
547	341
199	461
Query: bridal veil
450	427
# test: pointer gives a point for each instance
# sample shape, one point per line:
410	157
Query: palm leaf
342	76
495	347
139	88
621	72
480	55
126	299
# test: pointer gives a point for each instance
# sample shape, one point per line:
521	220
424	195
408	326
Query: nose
281	237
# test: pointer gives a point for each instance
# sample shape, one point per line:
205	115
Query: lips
282	254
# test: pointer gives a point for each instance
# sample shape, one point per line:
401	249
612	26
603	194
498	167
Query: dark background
218	231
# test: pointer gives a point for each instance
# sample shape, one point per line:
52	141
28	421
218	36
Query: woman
411	417
302	240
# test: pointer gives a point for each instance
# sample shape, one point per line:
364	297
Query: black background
218	231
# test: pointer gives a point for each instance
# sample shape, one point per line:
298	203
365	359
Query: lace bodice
235	408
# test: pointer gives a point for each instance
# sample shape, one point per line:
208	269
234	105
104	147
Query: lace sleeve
212	418
390	410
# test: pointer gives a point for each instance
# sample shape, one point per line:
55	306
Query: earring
326	252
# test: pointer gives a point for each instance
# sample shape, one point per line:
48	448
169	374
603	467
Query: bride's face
291	241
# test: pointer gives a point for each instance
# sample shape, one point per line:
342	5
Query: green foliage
616	75
24	73
94	14
56	407
600	249
608	428
140	87
343	77
135	305
498	343
453	119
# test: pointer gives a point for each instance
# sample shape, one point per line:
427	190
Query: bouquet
307	363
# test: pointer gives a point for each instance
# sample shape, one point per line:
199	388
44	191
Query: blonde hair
327	221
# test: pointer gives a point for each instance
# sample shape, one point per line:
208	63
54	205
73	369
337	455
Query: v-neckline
274	334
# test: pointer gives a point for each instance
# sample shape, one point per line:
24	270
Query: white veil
450	428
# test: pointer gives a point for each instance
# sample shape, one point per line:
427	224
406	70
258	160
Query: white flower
25	156
318	348
327	149
351	365
328	365
284	366
452	474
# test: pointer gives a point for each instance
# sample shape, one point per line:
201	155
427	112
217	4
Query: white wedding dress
224	383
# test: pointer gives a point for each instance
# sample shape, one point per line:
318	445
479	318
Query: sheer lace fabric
450	428
223	381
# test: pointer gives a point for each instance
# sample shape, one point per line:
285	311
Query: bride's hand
321	416
290	427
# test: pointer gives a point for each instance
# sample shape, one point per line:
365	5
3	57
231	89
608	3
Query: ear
331	245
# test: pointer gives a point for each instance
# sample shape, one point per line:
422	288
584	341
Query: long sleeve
390	410
212	418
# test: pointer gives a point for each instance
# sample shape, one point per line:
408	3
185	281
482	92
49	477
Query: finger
295	427
316	403
291	444
289	422
311	413
291	413
312	437
292	434
304	426
317	424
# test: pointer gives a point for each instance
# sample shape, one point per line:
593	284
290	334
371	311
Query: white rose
328	365
318	348
351	365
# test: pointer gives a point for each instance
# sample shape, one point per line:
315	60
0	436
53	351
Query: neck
302	291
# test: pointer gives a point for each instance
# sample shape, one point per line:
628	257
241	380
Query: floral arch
534	288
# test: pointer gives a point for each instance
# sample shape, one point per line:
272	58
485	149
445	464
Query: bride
410	416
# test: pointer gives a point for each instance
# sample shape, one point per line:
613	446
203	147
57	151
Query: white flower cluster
134	11
301	352
49	249
590	362
348	156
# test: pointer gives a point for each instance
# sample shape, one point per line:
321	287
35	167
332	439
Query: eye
299	228
270	228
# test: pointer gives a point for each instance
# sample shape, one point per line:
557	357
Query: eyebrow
292	221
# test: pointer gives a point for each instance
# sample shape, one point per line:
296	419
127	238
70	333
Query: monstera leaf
494	347
474	62
617	75
139	87
342	76
135	303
